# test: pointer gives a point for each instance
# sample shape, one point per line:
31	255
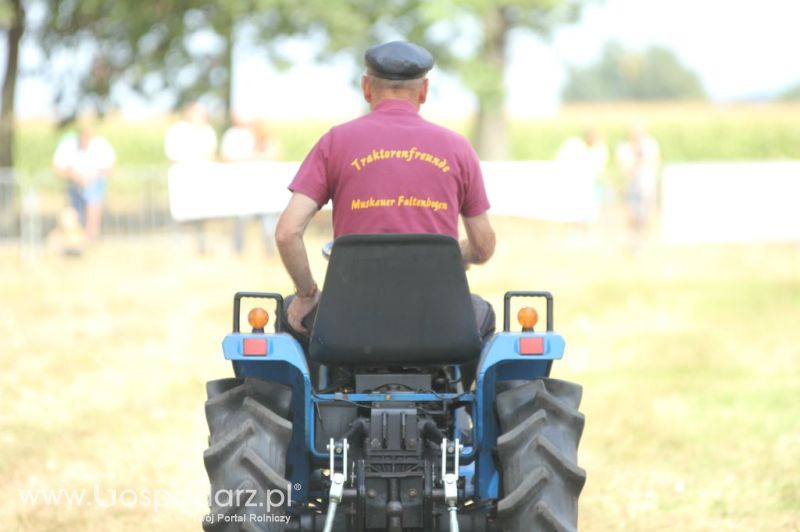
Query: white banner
731	202
545	190
215	190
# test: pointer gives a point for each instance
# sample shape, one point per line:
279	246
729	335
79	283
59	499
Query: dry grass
689	358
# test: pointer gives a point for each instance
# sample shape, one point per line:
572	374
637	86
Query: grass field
689	358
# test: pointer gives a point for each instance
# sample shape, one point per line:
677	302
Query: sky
741	49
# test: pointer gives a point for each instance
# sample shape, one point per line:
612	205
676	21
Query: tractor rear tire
541	481
249	426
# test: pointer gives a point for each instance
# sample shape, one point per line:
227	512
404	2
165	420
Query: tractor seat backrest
395	299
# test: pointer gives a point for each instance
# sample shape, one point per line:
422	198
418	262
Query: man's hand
289	238
299	308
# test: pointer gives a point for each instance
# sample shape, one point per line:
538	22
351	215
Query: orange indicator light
527	317
258	319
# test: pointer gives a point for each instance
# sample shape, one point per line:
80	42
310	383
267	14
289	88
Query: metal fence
9	212
136	203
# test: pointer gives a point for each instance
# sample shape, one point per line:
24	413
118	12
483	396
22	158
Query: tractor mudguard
504	359
279	358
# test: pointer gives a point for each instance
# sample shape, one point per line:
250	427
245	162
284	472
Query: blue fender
501	360
284	362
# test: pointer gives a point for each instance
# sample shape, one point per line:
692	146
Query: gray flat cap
398	60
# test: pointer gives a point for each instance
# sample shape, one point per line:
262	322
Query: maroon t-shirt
391	171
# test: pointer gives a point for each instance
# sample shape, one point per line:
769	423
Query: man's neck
396	97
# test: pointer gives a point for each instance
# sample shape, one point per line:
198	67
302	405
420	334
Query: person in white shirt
638	159
238	145
192	140
85	160
238	141
586	158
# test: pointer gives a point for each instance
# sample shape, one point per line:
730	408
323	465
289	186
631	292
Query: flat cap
398	60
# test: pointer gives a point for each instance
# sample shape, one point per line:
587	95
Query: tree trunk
10	85
491	135
230	41
491	130
7	212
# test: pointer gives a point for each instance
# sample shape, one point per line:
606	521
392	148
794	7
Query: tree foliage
12	22
182	47
620	74
467	37
186	46
482	68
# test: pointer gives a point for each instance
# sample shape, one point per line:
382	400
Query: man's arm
479	245
289	239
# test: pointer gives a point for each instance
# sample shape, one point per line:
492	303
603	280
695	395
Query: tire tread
541	427
250	431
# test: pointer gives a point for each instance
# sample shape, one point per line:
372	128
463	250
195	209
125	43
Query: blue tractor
373	427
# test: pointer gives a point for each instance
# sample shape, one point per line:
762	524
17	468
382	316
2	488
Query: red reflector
254	347
531	346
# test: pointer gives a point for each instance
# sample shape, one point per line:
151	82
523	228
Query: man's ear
366	89
423	91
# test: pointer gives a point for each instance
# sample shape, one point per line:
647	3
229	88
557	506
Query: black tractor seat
395	299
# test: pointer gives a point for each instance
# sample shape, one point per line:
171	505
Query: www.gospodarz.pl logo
260	506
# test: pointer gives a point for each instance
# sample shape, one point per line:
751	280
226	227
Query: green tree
182	47
483	70
441	25
620	74
12	21
186	46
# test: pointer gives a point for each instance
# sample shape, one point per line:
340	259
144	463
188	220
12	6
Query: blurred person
62	166
639	159
268	148
590	148
85	160
389	171
589	154
68	237
238	141
238	144
192	140
598	153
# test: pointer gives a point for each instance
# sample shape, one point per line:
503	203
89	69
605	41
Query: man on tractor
390	171
366	421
